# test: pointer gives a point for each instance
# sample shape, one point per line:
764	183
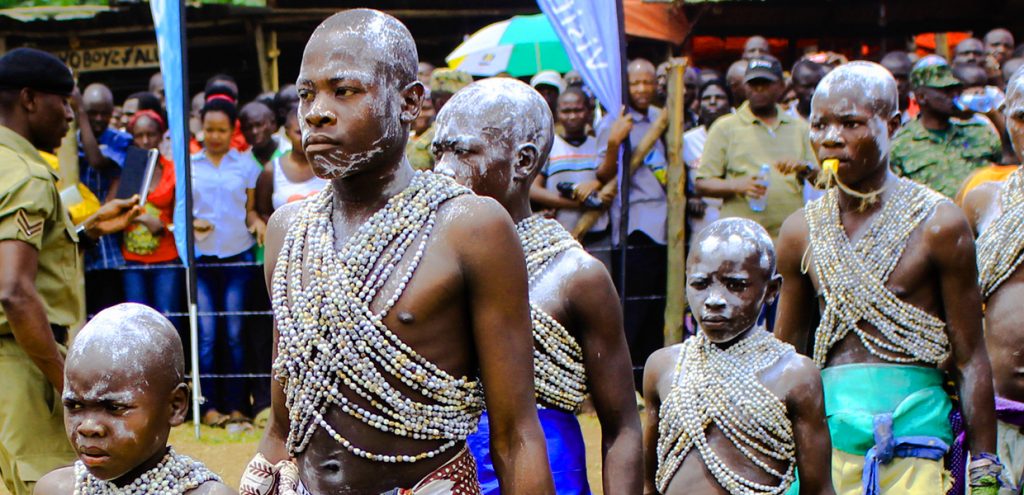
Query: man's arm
977	202
89	141
25	311
540	195
951	245
265	193
272	445
657	365
608	153
711	179
806	405
495	275
598	316
798	305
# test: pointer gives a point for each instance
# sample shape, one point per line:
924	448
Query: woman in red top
153	276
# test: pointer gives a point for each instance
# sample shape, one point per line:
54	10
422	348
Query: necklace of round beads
711	385
852	276
331	340
559	374
1001	244
175	475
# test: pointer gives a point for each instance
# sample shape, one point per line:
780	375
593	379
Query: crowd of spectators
746	149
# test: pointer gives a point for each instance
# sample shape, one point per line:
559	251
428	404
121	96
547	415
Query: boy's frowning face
728	282
117	415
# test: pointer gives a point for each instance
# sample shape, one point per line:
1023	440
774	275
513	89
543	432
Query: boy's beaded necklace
176	474
721	387
559	374
332	345
1001	244
853	275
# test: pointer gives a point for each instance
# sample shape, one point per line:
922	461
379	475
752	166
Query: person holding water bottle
758	158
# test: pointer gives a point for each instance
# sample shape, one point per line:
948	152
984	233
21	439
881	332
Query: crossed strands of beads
331	340
720	387
852	276
1001	244
559	375
175	475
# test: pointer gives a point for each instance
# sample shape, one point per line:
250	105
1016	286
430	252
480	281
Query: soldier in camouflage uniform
443	84
932	149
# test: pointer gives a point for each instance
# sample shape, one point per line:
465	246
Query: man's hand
152	223
585	189
78	106
620	128
608	196
748	186
113	216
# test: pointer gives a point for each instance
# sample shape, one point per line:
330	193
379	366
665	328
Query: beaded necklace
176	474
1001	244
853	276
559	375
331	340
721	386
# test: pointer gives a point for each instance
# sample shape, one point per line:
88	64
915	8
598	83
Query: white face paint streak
734	237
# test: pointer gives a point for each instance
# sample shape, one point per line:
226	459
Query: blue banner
167	18
589	30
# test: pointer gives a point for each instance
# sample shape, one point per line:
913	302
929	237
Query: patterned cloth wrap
456	477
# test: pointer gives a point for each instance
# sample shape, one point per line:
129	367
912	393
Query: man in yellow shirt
759	133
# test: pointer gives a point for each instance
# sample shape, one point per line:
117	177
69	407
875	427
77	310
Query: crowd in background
746	147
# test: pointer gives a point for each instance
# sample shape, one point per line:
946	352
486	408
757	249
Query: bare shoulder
793	236
473	221
946	229
588	274
980	201
661	361
60	481
801	378
213	488
282	218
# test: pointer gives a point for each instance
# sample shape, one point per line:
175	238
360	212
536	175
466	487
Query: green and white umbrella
521	46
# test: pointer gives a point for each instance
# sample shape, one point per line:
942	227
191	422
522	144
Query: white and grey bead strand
175	475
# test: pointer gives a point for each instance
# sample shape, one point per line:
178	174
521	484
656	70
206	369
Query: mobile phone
151	160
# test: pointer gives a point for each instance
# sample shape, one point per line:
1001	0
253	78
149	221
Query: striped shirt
575	164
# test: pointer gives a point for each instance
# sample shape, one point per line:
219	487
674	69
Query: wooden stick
590	217
675	286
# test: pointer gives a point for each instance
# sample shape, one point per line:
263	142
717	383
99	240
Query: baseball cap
763	68
36	69
449	80
549	77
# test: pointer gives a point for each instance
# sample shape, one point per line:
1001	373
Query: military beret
36	69
450	80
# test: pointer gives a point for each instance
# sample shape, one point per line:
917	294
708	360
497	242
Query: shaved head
381	38
744	233
256	110
97	94
756	47
99	107
999	43
507	107
640	66
862	82
134	341
969	51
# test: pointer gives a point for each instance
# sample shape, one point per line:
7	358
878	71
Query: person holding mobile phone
149	240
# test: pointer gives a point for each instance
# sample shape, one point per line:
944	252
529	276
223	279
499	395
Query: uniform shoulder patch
27	227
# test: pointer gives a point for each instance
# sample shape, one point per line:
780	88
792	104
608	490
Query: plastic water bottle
978	102
759	204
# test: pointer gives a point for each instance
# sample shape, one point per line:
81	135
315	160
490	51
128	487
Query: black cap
36	69
763	68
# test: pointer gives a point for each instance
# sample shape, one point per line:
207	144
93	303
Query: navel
406	317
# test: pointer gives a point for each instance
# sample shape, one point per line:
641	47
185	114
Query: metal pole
625	174
190	268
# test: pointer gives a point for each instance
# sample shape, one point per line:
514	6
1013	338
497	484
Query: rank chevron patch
27	227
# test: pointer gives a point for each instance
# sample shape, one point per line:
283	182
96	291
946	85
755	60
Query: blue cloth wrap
566	453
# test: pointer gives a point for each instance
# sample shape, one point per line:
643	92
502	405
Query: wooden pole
261	58
675	286
658	127
274	53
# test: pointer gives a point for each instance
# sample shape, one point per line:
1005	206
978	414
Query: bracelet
985	471
85	242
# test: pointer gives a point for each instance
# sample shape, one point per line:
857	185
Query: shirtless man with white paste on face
124	389
880	289
399	297
493	136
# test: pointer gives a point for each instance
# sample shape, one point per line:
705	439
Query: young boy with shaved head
880	289
494	136
400	299
124	389
733	410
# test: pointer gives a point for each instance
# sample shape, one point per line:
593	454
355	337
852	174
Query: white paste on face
737	238
870	87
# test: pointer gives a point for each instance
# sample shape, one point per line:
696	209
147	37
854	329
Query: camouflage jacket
418	150
943	163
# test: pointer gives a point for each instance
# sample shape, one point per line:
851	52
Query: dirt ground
227	454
